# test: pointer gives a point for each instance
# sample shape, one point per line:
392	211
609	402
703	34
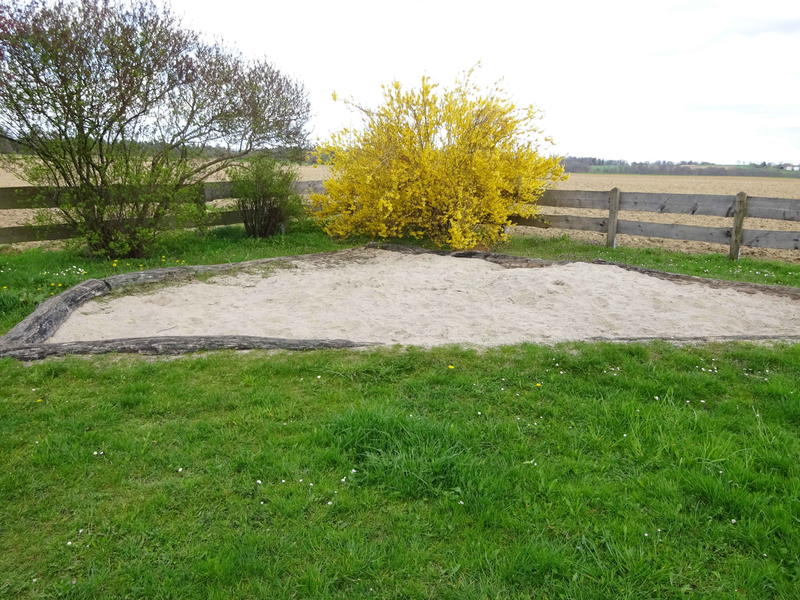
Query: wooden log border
172	345
26	341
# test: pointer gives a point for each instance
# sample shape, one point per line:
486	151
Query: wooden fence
735	208
24	197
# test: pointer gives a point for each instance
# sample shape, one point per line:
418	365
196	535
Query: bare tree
126	111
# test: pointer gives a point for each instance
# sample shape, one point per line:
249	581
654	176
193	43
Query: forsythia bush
452	167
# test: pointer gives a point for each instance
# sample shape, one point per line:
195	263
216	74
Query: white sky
635	80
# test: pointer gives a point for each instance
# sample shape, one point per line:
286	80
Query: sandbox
372	296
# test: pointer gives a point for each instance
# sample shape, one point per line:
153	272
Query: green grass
619	477
27	278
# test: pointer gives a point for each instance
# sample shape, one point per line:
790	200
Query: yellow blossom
451	166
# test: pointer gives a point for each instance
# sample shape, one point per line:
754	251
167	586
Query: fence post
613	214
739	210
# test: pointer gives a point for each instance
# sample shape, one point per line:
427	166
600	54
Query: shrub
263	191
452	167
123	112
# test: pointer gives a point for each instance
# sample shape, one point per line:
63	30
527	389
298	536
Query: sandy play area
371	295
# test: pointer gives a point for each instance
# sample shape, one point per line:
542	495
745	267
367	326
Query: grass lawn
632	471
585	471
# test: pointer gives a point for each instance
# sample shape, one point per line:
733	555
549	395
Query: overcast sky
639	80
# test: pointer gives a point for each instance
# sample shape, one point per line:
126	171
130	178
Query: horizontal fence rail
714	205
734	207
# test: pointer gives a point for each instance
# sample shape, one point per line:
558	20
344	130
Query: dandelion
538	385
450	367
39	400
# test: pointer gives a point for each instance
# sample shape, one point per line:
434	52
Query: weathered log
768	337
51	314
172	345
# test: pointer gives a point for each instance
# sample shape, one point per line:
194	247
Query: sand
371	295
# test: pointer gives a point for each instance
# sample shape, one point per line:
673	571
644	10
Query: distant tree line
293	154
590	164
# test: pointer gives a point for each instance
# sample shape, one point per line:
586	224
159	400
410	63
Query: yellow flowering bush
452	166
